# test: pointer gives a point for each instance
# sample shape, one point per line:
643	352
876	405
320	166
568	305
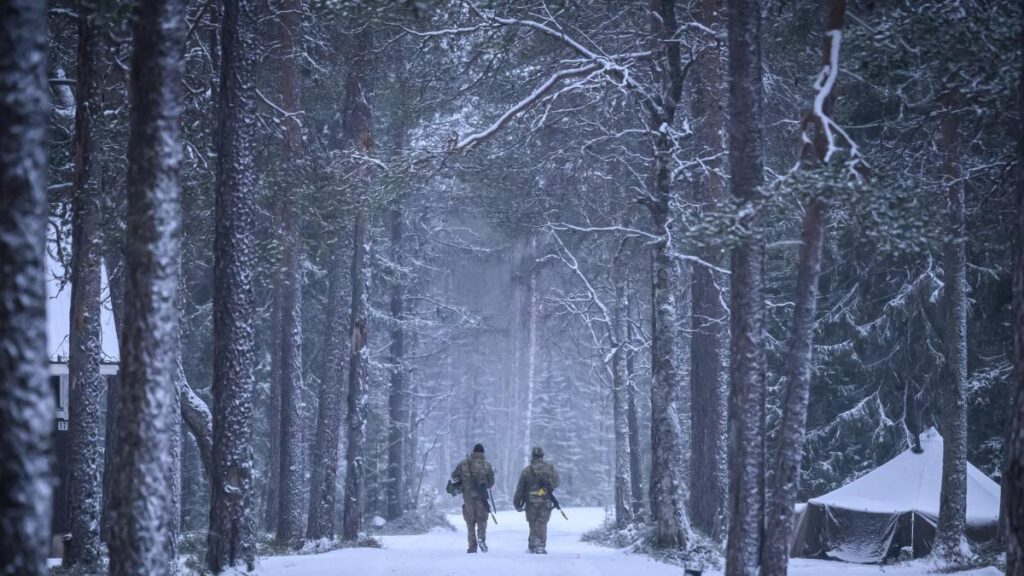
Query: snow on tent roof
58	315
911	482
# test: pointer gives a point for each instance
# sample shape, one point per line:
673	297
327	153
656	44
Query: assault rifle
491	507
554	501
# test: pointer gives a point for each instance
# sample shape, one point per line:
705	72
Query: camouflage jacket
534	482
476	476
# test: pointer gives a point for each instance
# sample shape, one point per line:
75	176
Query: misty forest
332	287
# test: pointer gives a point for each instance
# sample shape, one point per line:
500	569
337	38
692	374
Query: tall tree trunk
357	393
357	135
290	474
85	339
636	489
322	491
231	539
800	361
530	326
26	402
271	489
140	542
949	536
708	317
113	259
1013	467
398	397
746	352
666	507
620	410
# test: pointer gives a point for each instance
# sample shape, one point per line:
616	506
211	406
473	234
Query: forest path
443	553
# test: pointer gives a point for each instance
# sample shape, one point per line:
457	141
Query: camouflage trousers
474	512
538	514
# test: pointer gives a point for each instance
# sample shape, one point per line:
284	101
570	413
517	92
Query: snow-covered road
443	553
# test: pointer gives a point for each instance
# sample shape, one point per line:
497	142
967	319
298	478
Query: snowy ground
443	553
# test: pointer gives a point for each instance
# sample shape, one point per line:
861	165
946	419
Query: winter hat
478	448
537	452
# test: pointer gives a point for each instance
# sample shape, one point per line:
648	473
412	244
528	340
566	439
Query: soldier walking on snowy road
533	492
476	477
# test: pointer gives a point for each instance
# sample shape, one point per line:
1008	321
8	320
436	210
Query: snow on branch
537	94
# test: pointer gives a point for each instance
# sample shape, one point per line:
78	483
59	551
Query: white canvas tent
894	506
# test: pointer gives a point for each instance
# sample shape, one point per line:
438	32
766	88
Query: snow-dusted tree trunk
666	507
113	258
26	403
142	527
1013	466
320	522
289	284
800	360
231	539
949	536
357	393
708	317
620	410
530	323
636	474
85	338
357	136
398	396
746	352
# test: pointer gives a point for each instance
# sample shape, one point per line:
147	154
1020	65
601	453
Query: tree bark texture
949	536
85	352
231	539
144	515
666	506
322	491
709	316
26	402
289	287
1013	467
747	324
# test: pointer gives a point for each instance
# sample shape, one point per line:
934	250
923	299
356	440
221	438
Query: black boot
472	550
483	545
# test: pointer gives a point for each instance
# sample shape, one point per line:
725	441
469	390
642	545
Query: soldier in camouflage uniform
532	493
476	476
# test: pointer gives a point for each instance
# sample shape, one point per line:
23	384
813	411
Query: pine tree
666	507
324	475
950	539
85	339
1013	470
289	283
708	316
816	150
747	354
26	402
231	540
144	511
